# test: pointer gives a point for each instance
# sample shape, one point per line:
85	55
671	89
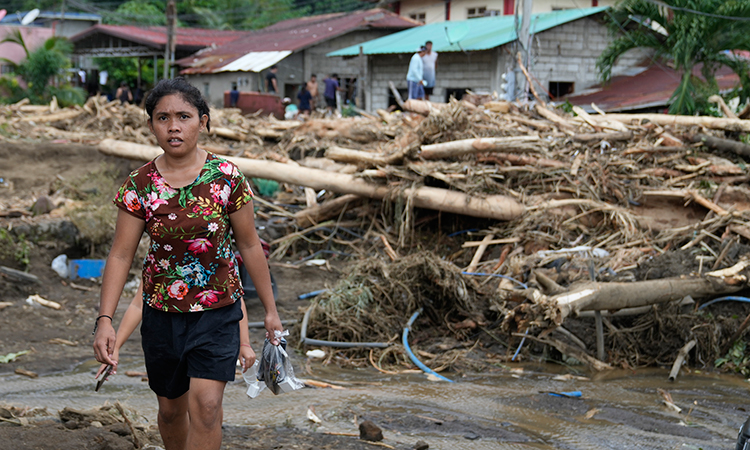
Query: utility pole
58	29
524	40
170	47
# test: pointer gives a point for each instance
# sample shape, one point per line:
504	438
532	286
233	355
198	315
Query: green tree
686	34
42	65
140	12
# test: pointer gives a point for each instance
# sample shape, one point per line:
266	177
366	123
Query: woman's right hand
105	342
103	367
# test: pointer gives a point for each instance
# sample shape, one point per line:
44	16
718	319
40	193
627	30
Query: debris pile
501	221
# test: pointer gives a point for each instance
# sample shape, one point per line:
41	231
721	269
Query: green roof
466	35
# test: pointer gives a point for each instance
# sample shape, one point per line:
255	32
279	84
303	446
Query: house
34	38
145	43
62	24
431	11
648	90
474	54
296	46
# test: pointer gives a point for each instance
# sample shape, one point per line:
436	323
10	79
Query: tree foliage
693	36
41	65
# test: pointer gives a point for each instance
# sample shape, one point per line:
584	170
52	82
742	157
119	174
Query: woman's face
176	125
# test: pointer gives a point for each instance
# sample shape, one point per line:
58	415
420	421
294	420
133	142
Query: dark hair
313	75
274	67
187	91
428	42
335	75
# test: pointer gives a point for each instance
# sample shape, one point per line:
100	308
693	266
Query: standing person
305	101
332	86
312	88
272	85
429	61
194	323
123	94
415	75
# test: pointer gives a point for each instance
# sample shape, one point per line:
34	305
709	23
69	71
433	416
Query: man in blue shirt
415	76
305	99
332	85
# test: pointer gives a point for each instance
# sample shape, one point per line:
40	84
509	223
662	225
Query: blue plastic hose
412	356
725	299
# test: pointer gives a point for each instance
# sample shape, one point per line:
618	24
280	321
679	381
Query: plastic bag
273	368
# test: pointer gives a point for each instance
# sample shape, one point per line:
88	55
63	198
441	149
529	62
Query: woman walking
194	324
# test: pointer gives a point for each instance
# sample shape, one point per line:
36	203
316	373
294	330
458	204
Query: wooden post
361	78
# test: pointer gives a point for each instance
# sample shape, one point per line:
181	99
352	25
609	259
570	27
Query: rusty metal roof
293	35
188	39
649	89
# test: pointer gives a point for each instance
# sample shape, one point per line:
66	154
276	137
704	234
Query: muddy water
506	410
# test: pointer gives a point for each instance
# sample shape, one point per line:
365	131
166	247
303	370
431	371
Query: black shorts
330	102
428	90
181	346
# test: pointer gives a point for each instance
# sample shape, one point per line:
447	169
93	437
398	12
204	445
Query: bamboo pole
492	207
468	146
666	119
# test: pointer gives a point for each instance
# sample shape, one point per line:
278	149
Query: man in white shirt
429	60
415	76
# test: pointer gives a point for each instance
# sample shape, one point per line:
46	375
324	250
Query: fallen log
362	158
226	133
713	123
716	143
616	136
596	296
469	146
422	107
316	214
56	117
492	207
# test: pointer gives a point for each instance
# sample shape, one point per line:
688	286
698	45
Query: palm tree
41	64
686	34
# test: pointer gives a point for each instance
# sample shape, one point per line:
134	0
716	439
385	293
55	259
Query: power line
700	13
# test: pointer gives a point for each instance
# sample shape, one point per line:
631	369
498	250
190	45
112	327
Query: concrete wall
567	53
213	86
434	10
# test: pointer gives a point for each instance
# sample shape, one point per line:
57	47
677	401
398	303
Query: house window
473	13
6	68
559	89
419	17
205	89
456	93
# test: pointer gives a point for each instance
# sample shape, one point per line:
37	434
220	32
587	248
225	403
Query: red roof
649	89
295	34
187	38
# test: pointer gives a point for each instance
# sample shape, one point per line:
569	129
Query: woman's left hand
247	357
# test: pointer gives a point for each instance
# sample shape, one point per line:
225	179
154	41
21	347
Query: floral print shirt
190	265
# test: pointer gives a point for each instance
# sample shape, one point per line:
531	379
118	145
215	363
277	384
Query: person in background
234	96
332	86
194	322
429	61
305	101
123	93
272	84
290	109
415	75
312	88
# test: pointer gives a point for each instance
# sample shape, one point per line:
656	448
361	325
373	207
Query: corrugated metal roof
255	61
293	35
651	88
187	38
465	35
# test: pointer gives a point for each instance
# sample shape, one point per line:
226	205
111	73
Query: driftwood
596	296
716	143
492	207
468	146
724	108
316	214
666	119
418	106
681	359
615	136
363	158
56	117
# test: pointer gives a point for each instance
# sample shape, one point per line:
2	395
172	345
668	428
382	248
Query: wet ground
513	408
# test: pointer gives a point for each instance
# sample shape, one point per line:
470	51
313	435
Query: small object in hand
103	377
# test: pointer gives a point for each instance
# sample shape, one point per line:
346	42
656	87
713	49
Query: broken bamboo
681	355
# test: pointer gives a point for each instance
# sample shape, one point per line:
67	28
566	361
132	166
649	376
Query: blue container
85	268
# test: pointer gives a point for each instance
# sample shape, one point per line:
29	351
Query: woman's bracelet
246	345
96	322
